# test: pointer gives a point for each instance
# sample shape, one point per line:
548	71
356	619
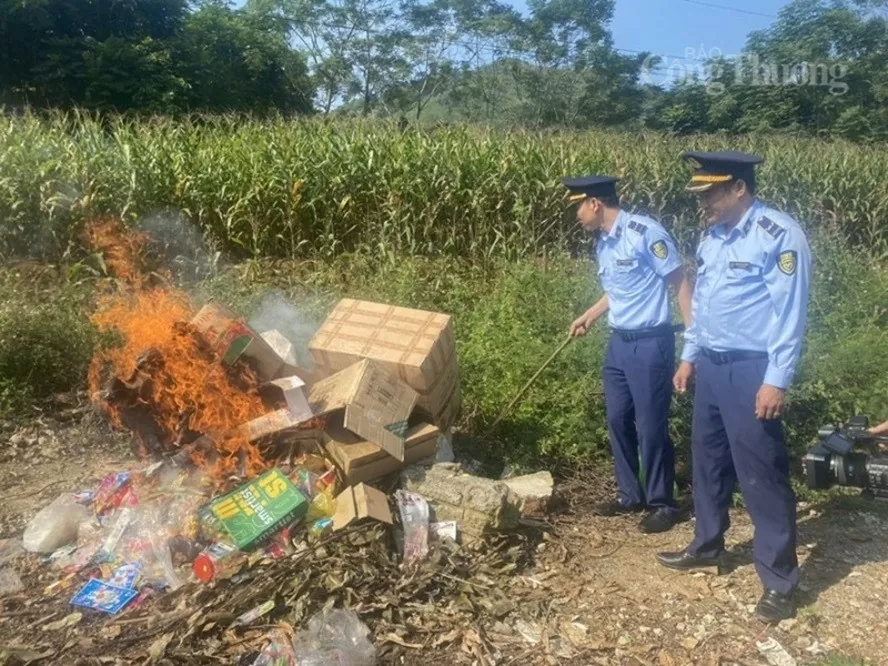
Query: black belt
721	358
641	333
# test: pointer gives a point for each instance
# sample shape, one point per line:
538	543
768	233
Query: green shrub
45	348
510	316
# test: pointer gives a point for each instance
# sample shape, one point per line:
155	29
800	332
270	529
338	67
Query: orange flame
184	380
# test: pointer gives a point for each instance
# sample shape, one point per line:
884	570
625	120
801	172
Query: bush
510	316
45	348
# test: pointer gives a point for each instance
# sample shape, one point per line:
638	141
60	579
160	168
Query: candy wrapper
65	583
118	527
85	497
321	527
414	512
255	613
111	492
279	651
101	596
306	481
443	530
78	560
183	516
126	575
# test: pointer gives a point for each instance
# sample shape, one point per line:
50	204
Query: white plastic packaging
335	638
55	525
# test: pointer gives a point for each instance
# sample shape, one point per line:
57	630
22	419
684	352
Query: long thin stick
530	382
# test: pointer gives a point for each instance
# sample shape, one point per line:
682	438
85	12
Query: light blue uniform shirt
752	291
633	260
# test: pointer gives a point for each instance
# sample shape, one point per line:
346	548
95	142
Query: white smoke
277	313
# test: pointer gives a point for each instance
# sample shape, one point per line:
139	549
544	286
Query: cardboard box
293	392
358	502
377	405
414	345
231	339
362	461
259	508
270	424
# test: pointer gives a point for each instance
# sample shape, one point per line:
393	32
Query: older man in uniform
749	314
637	261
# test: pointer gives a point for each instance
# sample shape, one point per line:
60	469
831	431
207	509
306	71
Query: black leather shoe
682	560
615	508
775	606
660	520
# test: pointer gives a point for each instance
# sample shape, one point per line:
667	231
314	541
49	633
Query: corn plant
298	188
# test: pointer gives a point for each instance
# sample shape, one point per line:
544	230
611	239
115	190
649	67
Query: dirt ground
594	594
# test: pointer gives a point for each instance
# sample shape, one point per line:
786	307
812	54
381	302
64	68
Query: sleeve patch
659	249
787	262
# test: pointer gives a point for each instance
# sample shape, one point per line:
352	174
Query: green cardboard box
259	508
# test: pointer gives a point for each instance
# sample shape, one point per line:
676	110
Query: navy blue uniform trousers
638	392
729	444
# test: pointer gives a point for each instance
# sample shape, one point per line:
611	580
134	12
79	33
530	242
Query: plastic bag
55	525
445	448
322	506
279	651
335	638
9	550
10	583
414	512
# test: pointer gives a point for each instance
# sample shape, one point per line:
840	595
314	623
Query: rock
477	504
532	493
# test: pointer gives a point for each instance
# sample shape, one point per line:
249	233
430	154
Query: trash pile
250	458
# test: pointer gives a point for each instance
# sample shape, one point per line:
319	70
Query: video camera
834	460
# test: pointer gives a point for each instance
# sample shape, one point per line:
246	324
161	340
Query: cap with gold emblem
711	169
590	186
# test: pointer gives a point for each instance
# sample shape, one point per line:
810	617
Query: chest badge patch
787	262
660	250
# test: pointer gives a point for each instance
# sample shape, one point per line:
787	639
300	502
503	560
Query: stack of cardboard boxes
386	380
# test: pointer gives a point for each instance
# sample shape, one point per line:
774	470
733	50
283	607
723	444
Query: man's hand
769	402
683	376
582	324
881	429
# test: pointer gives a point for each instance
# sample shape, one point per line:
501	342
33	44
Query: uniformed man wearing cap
749	312
637	261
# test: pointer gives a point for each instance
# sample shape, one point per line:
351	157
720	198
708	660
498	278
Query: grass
509	316
838	660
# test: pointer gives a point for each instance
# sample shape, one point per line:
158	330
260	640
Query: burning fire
166	384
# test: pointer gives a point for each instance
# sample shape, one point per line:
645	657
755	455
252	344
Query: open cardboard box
362	461
376	405
415	346
231	338
358	502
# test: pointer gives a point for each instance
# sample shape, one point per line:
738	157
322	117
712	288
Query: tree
92	54
355	48
240	61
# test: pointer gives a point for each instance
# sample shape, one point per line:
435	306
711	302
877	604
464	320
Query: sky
684	28
682	32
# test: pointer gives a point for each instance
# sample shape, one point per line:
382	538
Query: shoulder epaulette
771	227
637	227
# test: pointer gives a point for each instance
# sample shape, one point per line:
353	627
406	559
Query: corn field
297	188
